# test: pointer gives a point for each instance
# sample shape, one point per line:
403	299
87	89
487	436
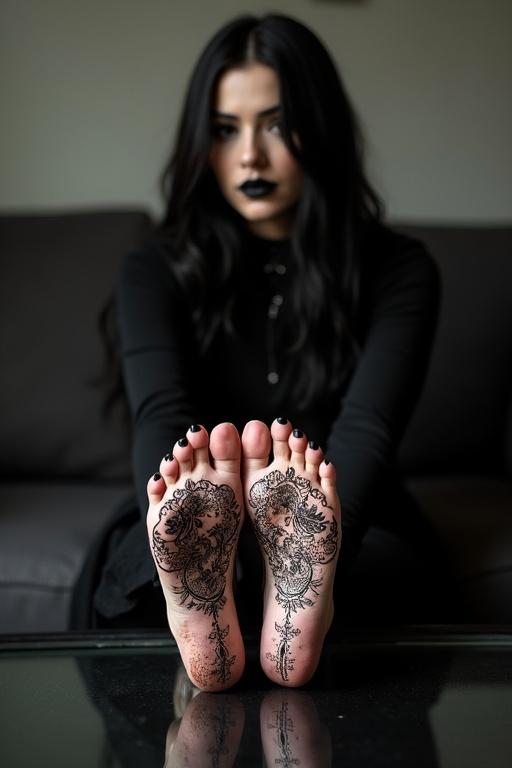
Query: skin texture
294	507
195	512
298	534
247	144
194	519
193	539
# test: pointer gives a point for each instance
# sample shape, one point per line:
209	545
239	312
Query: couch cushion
47	529
473	517
461	420
57	272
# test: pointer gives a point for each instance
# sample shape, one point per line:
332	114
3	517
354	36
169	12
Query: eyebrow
263	113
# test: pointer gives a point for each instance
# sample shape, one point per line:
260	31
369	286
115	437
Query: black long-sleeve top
171	385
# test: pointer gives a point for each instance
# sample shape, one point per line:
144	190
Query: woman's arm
402	307
157	348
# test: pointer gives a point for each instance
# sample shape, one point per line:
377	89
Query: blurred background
90	93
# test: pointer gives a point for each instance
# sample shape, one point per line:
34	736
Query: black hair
336	202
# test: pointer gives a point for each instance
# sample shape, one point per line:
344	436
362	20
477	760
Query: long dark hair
205	233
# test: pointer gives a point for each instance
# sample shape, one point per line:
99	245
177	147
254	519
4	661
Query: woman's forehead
253	87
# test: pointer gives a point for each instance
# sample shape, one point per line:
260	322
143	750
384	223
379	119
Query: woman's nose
253	152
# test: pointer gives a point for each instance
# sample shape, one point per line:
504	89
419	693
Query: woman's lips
257	188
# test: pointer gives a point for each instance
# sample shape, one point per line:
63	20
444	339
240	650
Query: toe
169	469
281	430
156	488
256	444
225	448
327	474
313	456
198	439
183	453
297	443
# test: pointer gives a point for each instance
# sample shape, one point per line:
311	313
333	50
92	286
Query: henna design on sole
194	539
298	533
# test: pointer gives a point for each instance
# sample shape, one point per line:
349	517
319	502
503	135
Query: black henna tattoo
297	537
194	538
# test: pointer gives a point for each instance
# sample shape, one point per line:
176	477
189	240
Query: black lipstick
257	188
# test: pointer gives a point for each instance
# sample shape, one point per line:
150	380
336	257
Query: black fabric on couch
64	469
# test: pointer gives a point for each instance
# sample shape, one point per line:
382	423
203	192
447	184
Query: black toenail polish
157	476
326	462
195	428
281	420
167	457
183	442
313	445
298	433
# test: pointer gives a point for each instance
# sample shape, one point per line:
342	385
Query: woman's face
255	171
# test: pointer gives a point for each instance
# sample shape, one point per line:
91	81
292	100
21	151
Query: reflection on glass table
208	728
414	699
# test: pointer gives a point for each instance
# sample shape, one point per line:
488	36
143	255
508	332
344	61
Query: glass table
414	697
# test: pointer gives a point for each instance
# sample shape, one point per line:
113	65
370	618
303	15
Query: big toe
256	444
225	448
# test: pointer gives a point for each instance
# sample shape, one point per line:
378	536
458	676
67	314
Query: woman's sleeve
402	317
156	347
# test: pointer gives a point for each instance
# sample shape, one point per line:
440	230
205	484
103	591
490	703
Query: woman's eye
223	131
276	127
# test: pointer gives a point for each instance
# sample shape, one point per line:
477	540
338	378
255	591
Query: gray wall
90	91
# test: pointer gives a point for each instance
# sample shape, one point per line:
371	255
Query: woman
271	288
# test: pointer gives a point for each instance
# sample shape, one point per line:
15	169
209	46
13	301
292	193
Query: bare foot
295	510
194	518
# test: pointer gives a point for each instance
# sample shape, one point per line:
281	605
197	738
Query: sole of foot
194	519
295	510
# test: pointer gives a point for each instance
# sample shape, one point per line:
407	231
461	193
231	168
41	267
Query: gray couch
457	452
64	467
